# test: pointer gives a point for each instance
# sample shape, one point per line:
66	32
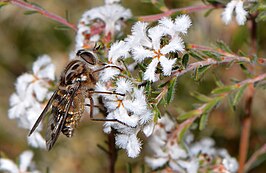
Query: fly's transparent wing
44	112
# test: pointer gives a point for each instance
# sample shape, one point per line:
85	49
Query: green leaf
212	55
202	70
201	97
189	114
196	55
238	96
171	90
2	4
183	132
196	74
260	160
224	89
61	27
203	121
209	106
30	12
35	4
220	44
208	12
185	60
129	168
156	113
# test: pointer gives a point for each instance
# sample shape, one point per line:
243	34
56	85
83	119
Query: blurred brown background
24	37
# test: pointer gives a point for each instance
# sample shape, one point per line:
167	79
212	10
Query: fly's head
79	69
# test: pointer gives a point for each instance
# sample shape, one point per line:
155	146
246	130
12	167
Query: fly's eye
87	56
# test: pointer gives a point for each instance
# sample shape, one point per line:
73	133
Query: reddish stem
112	152
43	12
184	10
246	124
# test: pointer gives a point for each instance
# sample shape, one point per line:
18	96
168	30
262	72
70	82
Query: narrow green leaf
224	89
185	60
212	55
201	97
30	12
238	95
208	12
209	106
61	27
156	113
196	74
189	114
203	121
259	161
2	4
196	55
220	44
171	90
202	70
245	70
129	168
142	169
35	4
183	132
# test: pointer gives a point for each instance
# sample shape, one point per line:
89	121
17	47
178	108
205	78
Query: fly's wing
44	112
58	118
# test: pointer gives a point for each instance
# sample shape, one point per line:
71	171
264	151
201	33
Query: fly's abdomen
70	124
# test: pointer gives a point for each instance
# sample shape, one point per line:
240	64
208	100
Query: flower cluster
241	13
32	90
189	157
101	22
128	107
153	43
25	164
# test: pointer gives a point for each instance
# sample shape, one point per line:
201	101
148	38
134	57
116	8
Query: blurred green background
24	37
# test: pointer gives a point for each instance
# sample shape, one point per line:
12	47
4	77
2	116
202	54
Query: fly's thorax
76	71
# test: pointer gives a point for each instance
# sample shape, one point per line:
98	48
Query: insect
66	105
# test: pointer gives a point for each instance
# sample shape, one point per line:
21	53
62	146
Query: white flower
128	106
167	153
118	50
179	25
36	140
230	164
241	13
25	164
111	1
31	91
129	142
149	45
107	19
190	166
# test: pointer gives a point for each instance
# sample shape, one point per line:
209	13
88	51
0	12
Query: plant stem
246	125
112	152
184	10
253	34
43	12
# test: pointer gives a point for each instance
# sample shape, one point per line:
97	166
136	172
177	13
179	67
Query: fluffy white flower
25	164
107	19
31	91
36	140
179	25
241	13
111	1
118	50
149	46
230	164
130	111
167	153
